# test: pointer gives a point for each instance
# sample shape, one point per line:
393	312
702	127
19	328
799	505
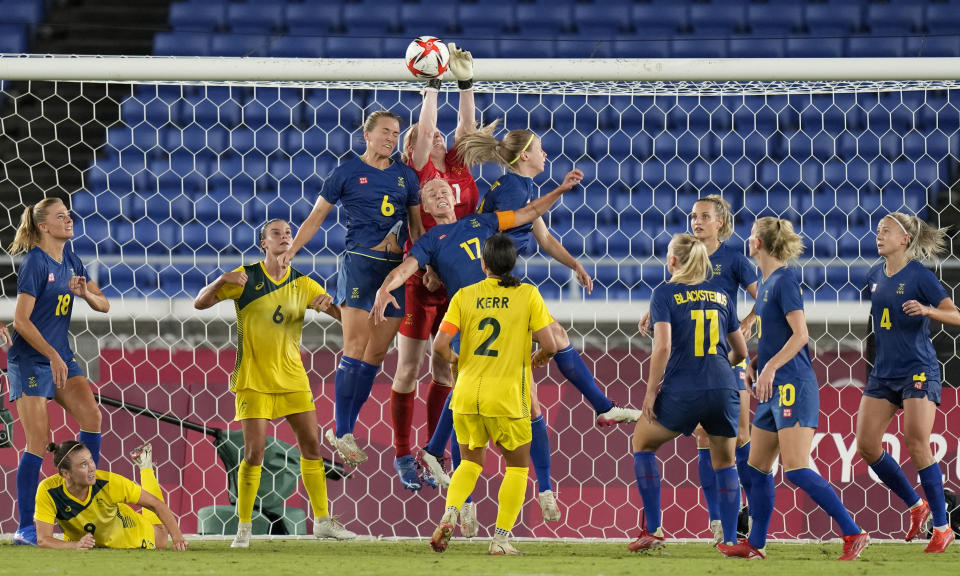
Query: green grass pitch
413	558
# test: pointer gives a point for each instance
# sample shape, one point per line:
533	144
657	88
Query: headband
75	446
522	150
897	220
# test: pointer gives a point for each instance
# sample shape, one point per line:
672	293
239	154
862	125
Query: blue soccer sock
343	384
454	450
575	370
540	453
931	478
708	482
366	374
441	434
28	478
728	496
762	499
648	483
746	479
825	496
890	473
92	441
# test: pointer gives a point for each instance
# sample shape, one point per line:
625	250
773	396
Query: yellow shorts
254	404
476	431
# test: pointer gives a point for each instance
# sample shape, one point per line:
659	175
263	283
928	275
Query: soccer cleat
742	549
407	470
616	415
426	478
330	527
500	546
548	506
468	520
435	467
242	539
26	536
143	456
347	447
853	545
716	528
441	536
647	541
940	541
918	517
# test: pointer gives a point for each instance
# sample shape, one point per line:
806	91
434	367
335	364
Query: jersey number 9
712	319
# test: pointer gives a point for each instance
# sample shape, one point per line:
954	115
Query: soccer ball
427	57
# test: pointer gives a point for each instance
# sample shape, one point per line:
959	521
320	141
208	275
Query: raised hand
238	277
461	63
78	285
572	178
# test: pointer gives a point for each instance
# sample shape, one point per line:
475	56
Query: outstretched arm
461	64
394	280
426	126
46	539
308	229
533	210
163	512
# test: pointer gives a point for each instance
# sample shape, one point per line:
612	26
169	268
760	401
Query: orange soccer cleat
918	516
940	540
854	545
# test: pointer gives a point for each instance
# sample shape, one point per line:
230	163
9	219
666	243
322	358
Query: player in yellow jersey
495	320
92	506
269	379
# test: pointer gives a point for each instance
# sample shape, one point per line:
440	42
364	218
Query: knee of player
919	449
253	456
869	450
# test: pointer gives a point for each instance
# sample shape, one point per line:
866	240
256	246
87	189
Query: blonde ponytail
778	238
28	233
926	242
691	255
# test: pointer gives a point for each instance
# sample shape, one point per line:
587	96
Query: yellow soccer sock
248	482
315	481
148	481
510	499
462	483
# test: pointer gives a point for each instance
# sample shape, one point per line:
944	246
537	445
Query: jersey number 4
885	319
712	318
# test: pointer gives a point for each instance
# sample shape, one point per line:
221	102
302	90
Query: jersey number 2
712	318
63	305
484	349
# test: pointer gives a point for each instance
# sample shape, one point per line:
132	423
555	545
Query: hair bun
51	447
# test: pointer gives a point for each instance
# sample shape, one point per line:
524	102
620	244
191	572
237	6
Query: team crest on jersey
355	293
32	382
457	170
258	286
900	288
51	278
474	223
787	412
716	270
363	180
401	182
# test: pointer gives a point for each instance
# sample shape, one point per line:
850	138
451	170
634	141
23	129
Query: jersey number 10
712	318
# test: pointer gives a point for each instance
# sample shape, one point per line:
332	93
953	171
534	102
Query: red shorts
424	310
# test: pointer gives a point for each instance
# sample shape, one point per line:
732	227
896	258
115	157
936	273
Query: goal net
170	178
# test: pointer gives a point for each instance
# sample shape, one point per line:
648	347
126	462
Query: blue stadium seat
238	45
942	19
833	19
255	18
636	47
434	20
181	44
661	20
536	21
297	47
196	16
934	46
870	47
351	47
814	47
16	11
895	18
314	18
363	19
486	19
527	48
601	23
757	47
698	48
775	19
713	20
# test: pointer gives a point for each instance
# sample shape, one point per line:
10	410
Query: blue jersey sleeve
505	194
31	277
745	271
789	293
332	188
413	186
659	306
930	288
424	248
733	323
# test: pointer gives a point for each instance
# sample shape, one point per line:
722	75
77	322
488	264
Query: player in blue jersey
905	296
41	364
788	394
380	198
690	384
712	223
521	153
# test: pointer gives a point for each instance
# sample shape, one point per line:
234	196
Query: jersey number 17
711	318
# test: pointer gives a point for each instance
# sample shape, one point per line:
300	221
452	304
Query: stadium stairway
41	153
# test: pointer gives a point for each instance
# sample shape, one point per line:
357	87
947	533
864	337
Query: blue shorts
740	373
896	390
30	378
717	410
791	404
361	273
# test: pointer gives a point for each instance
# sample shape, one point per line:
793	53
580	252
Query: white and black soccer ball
427	57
